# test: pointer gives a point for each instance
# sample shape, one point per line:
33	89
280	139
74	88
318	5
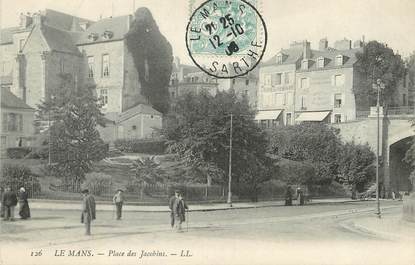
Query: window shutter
4	123
333	80
20	122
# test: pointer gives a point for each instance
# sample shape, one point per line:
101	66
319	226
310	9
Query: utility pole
377	155
230	165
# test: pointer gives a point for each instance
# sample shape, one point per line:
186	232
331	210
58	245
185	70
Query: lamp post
230	166
378	86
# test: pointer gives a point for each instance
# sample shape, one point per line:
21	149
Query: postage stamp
226	39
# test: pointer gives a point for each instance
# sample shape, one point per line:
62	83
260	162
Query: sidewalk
390	226
106	206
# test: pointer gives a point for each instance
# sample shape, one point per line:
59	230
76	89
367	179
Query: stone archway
398	169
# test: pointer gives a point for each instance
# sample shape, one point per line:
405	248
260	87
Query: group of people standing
177	207
289	196
9	200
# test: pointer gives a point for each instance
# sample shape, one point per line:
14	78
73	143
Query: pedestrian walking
9	200
173	206
300	196
288	196
118	200
24	209
2	209
88	211
180	213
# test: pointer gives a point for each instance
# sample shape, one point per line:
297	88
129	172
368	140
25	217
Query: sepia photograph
211	132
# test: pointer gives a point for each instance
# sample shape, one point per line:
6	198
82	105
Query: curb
198	210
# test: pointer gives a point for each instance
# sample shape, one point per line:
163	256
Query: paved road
318	234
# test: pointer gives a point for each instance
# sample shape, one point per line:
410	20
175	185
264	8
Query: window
267	79
303	102
173	95
339	60
21	44
290	99
304	65
320	62
404	100
267	100
247	82
337	118
91	66
103	96
339	80
246	92
304	83
134	127
276	79
288	119
105	65
286	78
279	99
3	141
12	122
338	100
279	59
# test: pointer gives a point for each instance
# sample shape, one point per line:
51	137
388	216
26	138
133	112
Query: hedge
155	147
18	152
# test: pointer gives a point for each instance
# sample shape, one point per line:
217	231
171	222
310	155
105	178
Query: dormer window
279	59
304	64
107	35
339	60
93	36
320	62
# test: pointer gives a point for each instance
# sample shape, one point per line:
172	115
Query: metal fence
31	185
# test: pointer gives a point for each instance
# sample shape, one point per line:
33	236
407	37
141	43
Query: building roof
293	55
6	34
118	26
60	40
9	100
51	18
131	112
61	20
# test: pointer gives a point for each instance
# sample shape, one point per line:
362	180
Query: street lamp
378	86
230	166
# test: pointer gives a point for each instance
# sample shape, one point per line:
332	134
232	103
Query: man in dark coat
118	200
9	200
173	206
88	211
180	215
288	196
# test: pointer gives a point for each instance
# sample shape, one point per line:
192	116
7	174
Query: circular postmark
226	38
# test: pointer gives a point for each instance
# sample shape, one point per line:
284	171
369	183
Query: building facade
301	84
17	122
49	46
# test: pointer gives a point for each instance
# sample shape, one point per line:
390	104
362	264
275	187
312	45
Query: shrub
16	176
98	183
141	146
18	152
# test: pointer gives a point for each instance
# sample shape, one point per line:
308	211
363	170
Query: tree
153	57
147	171
74	113
199	132
314	143
378	61
356	166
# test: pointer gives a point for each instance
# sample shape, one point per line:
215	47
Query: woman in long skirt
24	210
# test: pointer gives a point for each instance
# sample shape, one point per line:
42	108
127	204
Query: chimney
37	18
344	44
25	20
306	50
358	44
323	44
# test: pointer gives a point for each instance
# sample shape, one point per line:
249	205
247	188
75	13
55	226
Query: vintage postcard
207	132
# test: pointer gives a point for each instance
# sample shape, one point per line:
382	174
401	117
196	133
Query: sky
389	21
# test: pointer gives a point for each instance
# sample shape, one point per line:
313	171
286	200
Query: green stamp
226	38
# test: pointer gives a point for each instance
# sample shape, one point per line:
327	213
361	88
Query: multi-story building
49	46
301	84
16	121
190	79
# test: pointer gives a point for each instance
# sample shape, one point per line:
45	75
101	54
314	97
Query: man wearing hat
88	210
173	202
118	200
